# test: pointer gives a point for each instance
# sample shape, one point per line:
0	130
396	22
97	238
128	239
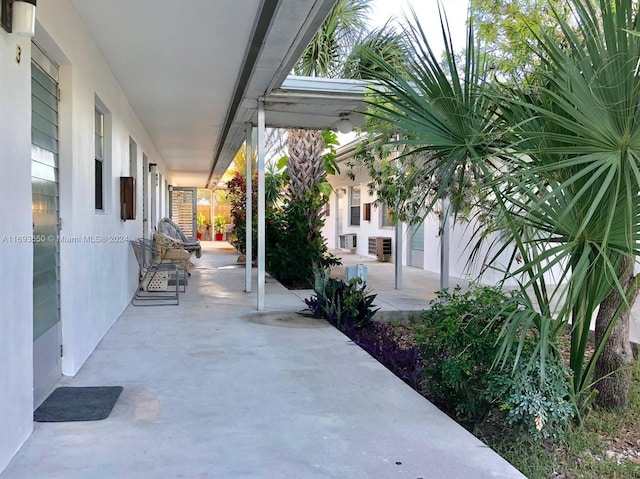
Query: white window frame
355	210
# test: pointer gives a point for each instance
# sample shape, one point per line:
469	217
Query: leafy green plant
292	248
461	345
461	333
555	161
219	224
539	409
348	306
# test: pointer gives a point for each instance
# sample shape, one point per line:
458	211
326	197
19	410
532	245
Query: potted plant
219	226
201	221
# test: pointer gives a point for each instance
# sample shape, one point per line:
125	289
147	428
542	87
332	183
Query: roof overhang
300	102
193	71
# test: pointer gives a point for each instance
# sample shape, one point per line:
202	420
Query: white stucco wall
460	244
366	228
16	258
98	272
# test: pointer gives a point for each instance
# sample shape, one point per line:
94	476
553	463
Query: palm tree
335	51
557	164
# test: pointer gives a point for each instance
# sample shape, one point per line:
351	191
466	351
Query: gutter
260	30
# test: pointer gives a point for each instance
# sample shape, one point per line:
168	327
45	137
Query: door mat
78	404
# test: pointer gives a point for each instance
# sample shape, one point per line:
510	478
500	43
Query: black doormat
78	404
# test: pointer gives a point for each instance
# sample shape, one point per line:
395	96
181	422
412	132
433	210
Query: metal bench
154	288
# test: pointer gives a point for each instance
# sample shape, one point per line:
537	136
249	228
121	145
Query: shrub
460	333
348	306
292	248
540	409
460	338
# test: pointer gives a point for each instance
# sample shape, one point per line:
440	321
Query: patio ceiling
194	70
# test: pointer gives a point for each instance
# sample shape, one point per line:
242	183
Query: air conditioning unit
349	241
380	247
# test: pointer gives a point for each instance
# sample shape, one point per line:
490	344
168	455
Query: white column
398	230
444	243
261	204
399	241
249	211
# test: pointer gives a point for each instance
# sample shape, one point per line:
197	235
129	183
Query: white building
160	91
355	221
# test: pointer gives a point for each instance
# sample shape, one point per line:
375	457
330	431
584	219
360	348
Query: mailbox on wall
127	198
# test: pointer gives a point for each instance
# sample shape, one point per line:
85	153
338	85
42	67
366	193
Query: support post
444	243
249	211
398	229
261	204
398	264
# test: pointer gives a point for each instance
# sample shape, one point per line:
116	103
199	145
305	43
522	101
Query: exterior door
47	338
183	205
416	246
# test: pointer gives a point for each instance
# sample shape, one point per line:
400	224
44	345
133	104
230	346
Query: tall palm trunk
305	167
614	388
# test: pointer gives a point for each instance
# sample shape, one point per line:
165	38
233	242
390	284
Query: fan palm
559	168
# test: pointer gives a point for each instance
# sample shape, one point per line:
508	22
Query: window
354	206
133	159
385	216
99	160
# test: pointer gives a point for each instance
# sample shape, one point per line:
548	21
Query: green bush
460	337
540	409
348	306
460	334
292	248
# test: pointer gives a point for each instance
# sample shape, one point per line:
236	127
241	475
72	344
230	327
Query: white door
183	203
47	340
416	246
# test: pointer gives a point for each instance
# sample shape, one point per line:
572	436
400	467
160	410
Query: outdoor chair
170	228
154	288
166	250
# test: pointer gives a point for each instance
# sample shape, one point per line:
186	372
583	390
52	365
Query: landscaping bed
447	355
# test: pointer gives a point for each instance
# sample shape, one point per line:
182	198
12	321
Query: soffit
179	63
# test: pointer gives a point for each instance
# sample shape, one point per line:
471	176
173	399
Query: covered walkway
214	389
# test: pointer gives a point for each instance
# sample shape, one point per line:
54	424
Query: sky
427	12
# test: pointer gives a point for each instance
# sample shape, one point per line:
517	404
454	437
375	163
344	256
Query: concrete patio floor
214	389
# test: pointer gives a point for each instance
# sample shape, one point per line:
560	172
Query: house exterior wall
98	272
16	257
460	241
367	228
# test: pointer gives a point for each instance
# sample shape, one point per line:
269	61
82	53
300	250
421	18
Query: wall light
344	125
19	16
